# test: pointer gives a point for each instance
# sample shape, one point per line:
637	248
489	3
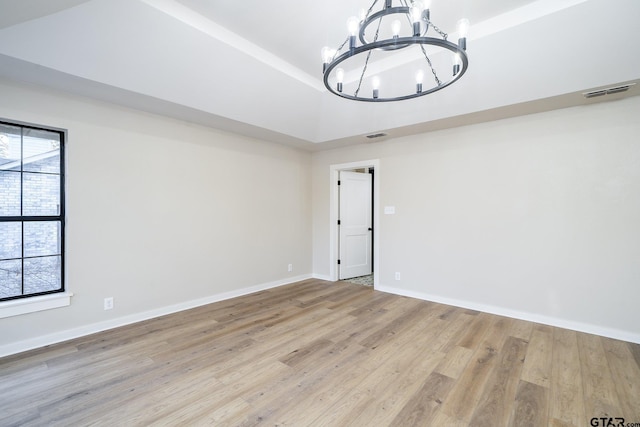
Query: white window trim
32	304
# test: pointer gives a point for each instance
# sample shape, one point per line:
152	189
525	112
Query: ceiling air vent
618	89
608	91
376	135
595	94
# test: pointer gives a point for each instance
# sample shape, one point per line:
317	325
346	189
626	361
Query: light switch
389	210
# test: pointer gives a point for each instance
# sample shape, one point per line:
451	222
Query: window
31	211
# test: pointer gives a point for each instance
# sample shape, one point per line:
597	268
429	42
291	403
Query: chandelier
396	58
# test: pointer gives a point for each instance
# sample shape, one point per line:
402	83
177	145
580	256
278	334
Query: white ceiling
254	67
296	31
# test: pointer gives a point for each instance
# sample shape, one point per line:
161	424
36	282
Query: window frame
25	303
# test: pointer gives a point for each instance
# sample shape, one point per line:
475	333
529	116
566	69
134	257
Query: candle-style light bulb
463	27
339	79
416	16
426	15
375	84
419	80
395	28
416	11
463	31
327	54
457	62
352	26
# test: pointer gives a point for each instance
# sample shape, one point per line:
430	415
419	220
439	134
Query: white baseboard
516	314
322	277
30	344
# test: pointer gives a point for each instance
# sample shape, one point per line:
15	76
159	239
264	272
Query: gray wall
162	212
536	217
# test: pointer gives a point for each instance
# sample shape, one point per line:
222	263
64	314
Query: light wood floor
322	354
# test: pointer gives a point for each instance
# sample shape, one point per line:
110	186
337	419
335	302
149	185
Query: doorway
355	225
349	241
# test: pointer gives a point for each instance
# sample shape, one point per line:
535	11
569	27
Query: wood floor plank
453	326
496	402
354	300
531	406
378	302
474	333
262	354
35	358
567	404
158	404
385	364
111	395
626	374
70	385
635	351
600	396
317	389
270	402
425	403
324	354
230	414
537	365
401	322
357	328
393	393
303	320
456	361
300	355
521	329
324	298
463	322
311	409
467	391
441	419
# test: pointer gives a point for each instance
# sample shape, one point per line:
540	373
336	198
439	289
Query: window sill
31	305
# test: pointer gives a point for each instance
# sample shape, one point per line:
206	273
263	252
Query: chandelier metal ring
375	26
406	41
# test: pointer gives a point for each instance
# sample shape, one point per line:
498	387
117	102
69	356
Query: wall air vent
376	135
608	91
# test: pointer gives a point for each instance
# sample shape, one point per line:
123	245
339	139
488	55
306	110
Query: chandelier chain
366	62
433	71
364	69
436	29
405	4
340	48
370	9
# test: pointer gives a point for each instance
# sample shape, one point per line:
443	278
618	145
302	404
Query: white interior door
355	224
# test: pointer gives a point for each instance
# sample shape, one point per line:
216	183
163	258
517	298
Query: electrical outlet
290	268
108	303
397	275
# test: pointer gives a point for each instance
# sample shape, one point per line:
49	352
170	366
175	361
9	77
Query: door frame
334	205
